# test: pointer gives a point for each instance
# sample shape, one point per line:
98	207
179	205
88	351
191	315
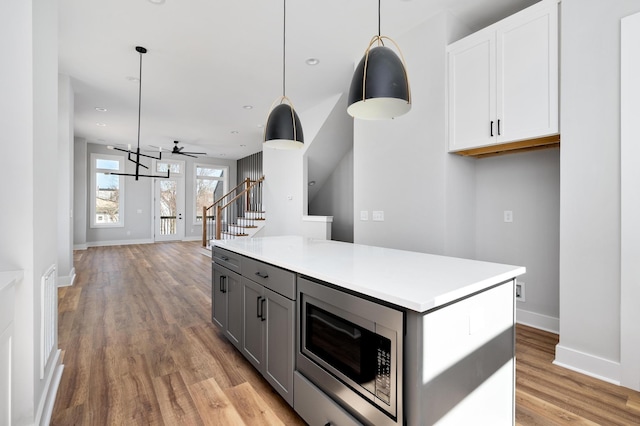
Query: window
175	167
211	184
107	191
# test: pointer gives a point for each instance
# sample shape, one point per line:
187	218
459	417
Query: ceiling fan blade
187	154
196	153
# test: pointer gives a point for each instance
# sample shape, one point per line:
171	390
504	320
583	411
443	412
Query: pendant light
134	157
283	129
380	85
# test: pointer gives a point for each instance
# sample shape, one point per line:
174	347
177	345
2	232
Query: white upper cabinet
503	80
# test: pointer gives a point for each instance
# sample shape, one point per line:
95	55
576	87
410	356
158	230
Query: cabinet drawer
315	407
226	258
279	280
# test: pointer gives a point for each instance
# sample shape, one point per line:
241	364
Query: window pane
101	163
107	198
209	171
207	191
162	167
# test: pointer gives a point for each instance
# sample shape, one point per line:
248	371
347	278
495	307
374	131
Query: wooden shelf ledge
545	142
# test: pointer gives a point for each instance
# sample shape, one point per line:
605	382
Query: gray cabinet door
218	297
279	342
233	288
253	322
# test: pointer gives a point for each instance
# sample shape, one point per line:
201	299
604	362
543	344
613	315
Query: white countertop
412	280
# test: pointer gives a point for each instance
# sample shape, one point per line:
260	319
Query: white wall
29	120
138	197
283	190
335	198
528	184
80	206
590	186
402	167
66	271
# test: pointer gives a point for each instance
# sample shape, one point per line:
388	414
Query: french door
169	215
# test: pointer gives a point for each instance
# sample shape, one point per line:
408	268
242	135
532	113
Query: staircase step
233	234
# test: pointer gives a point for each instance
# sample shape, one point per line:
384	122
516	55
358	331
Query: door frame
179	178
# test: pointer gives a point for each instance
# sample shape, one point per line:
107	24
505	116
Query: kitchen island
453	357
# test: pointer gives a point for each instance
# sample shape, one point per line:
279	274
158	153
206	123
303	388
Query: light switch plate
364	215
378	215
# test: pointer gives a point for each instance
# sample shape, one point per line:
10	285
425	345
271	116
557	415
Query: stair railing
234	212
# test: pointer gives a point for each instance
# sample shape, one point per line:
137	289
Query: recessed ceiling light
157	1
313	182
260	126
248	107
134	79
101	109
101	124
234	132
312	61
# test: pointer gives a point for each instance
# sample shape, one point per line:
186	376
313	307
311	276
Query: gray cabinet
269	324
226	303
254	304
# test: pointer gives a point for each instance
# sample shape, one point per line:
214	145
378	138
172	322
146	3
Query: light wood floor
139	348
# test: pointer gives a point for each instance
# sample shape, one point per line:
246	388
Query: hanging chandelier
380	85
283	129
132	156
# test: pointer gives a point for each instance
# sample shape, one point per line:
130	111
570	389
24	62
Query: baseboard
80	246
67	281
48	400
590	365
543	322
118	243
192	238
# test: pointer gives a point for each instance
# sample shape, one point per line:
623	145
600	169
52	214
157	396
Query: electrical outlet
520	292
508	216
378	215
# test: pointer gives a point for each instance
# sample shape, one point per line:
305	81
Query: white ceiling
207	59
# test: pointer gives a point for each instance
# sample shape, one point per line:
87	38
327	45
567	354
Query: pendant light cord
379	33
139	98
284	48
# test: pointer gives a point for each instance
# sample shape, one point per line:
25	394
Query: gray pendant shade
283	130
380	86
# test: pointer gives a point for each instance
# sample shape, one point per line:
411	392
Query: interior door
169	215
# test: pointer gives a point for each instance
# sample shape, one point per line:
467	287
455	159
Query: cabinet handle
498	127
262	317
225	258
491	129
258	306
261	275
222	287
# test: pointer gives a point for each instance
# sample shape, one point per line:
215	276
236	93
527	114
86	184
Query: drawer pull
225	258
491	129
261	275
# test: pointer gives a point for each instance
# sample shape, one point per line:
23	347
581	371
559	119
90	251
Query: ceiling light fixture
101	124
283	129
137	154
101	109
312	61
247	107
380	85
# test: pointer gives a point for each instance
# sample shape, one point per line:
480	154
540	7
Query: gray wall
590	186
442	203
528	184
335	198
402	167
138	214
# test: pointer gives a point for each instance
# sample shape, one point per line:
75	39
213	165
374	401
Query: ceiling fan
179	150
